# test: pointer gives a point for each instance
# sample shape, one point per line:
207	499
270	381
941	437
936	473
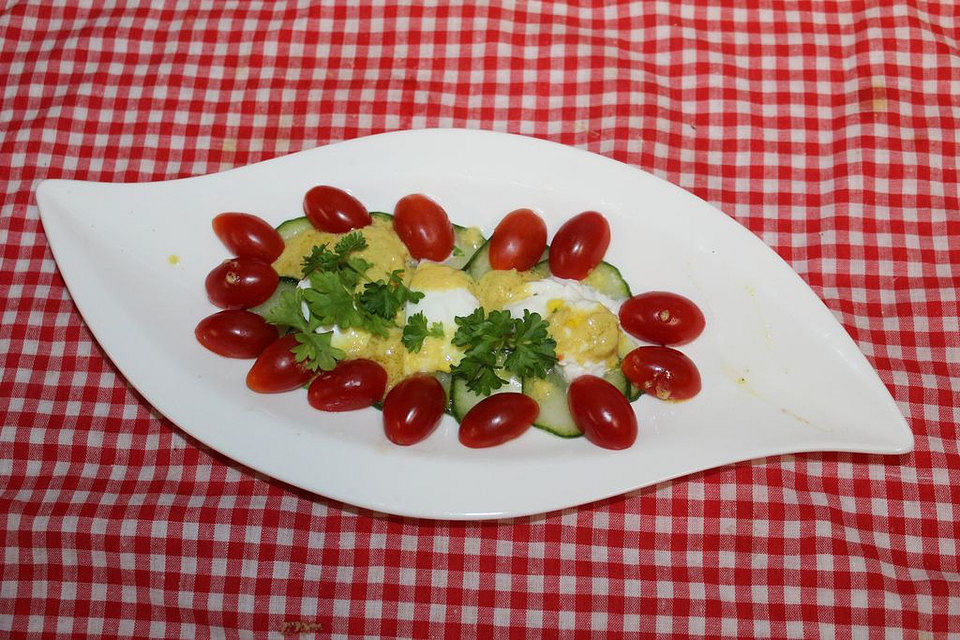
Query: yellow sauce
497	289
385	250
586	335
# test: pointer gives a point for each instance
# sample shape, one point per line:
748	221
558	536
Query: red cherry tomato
241	283
424	227
498	418
518	241
579	245
334	210
352	384
662	317
235	333
662	372
602	413
413	408
277	369
248	236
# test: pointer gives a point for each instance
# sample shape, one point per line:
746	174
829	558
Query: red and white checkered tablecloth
829	129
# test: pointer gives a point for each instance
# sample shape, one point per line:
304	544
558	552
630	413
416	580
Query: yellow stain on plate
173	259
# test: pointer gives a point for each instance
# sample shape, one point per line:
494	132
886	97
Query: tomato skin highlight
235	333
413	409
248	236
579	245
352	384
662	372
334	210
241	283
518	241
276	369
662	317
497	419
424	227
602	412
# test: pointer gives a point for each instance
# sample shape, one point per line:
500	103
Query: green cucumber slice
605	278
463	399
479	264
551	394
293	227
285	284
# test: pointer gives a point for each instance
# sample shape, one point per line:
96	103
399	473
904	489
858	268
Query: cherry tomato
602	412
235	333
662	317
352	384
277	369
498	418
518	241
248	236
579	245
334	210
662	372
424	227
413	408
241	283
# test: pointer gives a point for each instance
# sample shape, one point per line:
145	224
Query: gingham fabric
829	129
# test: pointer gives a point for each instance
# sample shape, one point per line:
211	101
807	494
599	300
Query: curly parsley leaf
288	311
316	352
330	302
478	368
533	352
416	331
353	241
348	268
385	299
520	345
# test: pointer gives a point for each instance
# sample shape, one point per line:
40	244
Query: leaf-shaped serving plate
780	375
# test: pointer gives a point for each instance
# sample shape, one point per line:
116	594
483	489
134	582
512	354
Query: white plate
780	375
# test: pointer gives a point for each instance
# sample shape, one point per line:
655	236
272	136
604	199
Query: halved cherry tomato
662	317
498	418
277	369
248	236
579	245
235	333
241	283
662	372
424	227
352	384
518	241
334	210
602	412
413	408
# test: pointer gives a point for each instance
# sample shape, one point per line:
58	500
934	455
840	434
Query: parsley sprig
348	268
335	298
313	349
497	340
416	331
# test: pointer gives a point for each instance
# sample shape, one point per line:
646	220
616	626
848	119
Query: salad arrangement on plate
420	317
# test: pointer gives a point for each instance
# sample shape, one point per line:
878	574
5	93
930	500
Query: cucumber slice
285	284
463	399
479	264
466	241
551	394
382	216
293	227
605	278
